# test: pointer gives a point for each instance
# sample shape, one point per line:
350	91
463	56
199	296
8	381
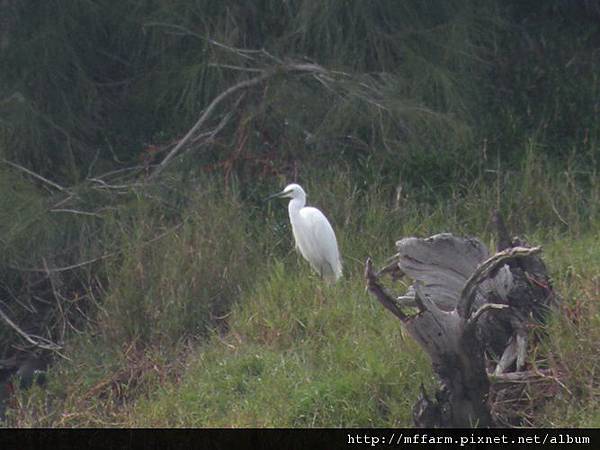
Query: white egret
313	234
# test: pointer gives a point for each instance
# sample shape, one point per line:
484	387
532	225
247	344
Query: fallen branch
380	293
485	270
526	376
34	340
35	175
64	268
76	212
473	319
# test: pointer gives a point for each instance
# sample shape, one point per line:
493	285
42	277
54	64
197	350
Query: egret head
292	191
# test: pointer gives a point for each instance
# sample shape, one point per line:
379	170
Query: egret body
314	236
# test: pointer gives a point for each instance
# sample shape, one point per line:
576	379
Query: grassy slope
300	354
573	335
296	352
292	351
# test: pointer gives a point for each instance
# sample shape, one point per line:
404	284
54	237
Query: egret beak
277	195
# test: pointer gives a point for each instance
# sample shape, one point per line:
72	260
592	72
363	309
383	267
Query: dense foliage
426	115
92	84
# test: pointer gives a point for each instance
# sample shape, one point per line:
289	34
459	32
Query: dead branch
37	341
469	305
76	212
484	271
527	376
207	112
35	175
264	75
380	293
473	319
232	67
244	53
64	268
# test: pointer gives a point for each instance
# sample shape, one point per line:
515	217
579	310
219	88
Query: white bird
313	234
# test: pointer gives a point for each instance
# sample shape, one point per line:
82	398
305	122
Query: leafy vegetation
177	300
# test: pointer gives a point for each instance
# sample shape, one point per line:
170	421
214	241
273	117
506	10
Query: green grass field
221	323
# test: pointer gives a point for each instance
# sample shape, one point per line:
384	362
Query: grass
300	354
574	333
208	317
306	356
113	81
191	307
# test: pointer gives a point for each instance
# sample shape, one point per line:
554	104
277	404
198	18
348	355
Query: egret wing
320	242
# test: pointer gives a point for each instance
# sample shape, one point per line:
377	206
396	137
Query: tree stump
474	310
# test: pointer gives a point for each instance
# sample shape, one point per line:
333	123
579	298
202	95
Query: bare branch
527	376
484	270
65	268
380	293
207	112
74	211
521	348
35	175
117	172
265	74
34	340
473	319
57	298
183	31
232	67
391	268
209	136
104	185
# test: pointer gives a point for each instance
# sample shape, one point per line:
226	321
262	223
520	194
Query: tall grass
181	301
91	85
298	354
209	318
179	274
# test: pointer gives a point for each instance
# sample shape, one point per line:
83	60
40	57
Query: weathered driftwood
473	312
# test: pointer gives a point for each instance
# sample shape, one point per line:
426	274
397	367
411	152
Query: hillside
142	264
